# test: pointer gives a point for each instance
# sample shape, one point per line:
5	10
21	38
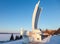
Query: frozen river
6	37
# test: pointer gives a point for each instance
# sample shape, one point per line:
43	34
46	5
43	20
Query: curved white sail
35	17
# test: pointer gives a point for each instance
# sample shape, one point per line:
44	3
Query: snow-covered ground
49	40
54	40
46	39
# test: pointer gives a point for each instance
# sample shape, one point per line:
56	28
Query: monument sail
35	17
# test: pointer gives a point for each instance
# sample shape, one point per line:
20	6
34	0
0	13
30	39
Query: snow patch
54	40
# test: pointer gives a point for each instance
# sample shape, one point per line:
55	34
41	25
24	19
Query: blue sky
16	14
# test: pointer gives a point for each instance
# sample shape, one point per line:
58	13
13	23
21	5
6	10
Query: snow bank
14	42
54	40
46	39
49	40
23	41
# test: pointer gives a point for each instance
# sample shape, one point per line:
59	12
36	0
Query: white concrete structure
23	32
36	33
35	16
